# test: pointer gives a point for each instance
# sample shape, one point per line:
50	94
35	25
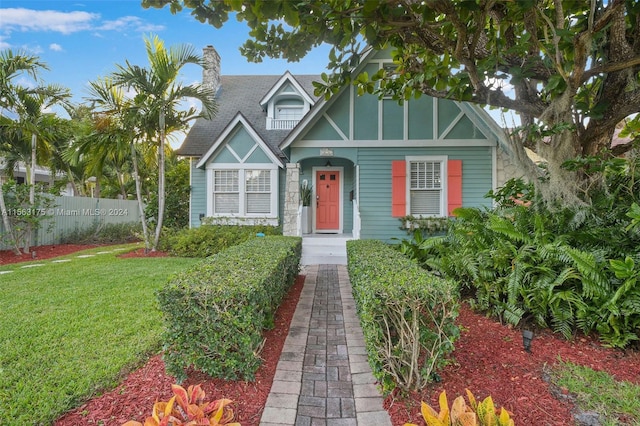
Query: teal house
368	162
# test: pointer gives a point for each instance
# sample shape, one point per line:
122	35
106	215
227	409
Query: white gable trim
485	123
286	77
228	131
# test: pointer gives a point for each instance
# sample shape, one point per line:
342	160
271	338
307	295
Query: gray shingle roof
241	93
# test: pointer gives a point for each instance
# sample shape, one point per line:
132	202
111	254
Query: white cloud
4	44
129	23
22	19
55	47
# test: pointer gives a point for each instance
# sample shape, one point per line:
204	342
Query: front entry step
319	249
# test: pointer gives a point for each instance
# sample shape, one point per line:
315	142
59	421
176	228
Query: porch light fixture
328	164
527	337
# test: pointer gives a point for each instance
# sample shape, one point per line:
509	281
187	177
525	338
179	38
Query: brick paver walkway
323	377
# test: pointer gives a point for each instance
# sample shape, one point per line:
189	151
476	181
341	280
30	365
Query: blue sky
81	40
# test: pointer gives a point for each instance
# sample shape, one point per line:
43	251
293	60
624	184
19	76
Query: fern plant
567	269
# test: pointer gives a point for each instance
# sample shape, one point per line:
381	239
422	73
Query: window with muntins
226	192
242	192
425	188
289	112
258	191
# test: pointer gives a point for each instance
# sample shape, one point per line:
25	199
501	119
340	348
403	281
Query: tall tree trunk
123	190
7	225
161	182
32	191
145	230
72	181
562	188
98	186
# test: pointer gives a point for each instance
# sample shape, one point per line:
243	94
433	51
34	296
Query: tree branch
611	67
495	98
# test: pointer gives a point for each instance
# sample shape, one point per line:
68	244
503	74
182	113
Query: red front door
327	200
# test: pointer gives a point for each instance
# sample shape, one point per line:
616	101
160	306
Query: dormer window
287	113
286	104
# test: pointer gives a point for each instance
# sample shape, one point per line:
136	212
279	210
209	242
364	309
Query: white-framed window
226	192
426	185
246	191
258	191
289	112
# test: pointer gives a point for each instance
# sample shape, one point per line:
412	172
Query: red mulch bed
43	252
489	360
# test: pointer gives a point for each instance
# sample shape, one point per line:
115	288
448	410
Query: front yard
71	328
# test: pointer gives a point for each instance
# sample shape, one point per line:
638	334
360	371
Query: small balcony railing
280	124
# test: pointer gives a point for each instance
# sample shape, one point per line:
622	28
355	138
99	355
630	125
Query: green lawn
70	329
598	391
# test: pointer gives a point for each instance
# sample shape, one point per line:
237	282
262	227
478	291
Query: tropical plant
116	130
33	129
12	65
306	190
158	94
475	413
574	269
99	149
189	408
619	315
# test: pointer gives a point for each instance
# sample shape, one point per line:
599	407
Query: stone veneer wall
290	225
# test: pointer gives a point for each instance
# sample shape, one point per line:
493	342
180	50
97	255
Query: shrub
208	240
100	233
188	407
214	313
407	314
176	208
480	414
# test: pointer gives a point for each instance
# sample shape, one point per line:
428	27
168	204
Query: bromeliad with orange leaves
188	408
475	414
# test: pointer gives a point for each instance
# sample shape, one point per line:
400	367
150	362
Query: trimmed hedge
407	314
214	313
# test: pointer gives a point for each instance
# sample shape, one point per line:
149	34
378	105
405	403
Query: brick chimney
211	69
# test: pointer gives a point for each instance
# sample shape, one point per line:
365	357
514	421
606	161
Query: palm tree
115	136
158	94
11	66
34	123
101	143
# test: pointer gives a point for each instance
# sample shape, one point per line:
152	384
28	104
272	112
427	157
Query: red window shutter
398	188
454	185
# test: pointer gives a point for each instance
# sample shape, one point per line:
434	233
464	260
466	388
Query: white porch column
290	225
